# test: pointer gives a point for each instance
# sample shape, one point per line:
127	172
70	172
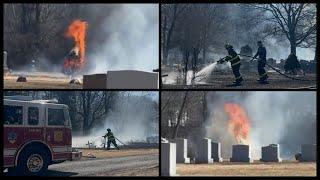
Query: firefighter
262	53
111	139
234	59
292	65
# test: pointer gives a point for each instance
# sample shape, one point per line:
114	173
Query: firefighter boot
263	79
238	81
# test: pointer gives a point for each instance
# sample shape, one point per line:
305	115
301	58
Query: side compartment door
34	122
58	135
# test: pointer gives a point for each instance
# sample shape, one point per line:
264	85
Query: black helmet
228	46
108	129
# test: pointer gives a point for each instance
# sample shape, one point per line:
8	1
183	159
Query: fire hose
120	141
293	78
115	138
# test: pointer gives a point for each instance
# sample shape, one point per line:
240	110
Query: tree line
91	109
190	32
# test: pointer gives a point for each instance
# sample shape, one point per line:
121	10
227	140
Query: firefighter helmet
108	129
228	46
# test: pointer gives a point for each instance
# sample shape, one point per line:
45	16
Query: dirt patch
253	169
118	153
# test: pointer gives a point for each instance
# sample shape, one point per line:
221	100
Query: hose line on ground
293	78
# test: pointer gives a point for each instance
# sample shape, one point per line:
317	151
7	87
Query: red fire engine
37	133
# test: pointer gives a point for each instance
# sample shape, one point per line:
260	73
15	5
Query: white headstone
5	65
182	150
124	79
168	159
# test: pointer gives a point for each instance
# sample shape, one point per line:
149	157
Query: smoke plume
285	118
132	119
128	39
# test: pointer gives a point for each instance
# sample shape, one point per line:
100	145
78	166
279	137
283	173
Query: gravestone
216	151
308	152
240	153
270	153
182	150
204	151
168	159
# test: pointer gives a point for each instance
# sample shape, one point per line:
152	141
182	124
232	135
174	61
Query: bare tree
180	115
169	16
297	22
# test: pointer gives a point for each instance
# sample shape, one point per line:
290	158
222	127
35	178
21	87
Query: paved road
105	166
140	165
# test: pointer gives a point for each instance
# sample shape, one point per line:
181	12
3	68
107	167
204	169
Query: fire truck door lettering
34	130
12	137
9	152
58	136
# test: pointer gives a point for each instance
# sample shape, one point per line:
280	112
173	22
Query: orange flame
238	124
77	30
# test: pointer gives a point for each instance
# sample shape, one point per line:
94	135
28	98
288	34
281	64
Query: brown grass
39	82
243	169
221	80
118	153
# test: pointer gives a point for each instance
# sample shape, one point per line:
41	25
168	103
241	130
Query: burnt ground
276	81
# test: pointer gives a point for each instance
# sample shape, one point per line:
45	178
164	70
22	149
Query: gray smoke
128	39
132	119
285	118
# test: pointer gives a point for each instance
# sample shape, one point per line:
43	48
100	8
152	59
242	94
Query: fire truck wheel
33	161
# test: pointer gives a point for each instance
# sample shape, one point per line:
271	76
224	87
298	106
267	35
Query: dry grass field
39	81
286	168
98	153
276	81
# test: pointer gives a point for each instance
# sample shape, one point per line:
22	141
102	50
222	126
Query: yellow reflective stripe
234	58
263	74
239	77
235	63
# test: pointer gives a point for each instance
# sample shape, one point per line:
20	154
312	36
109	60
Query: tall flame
238	123
77	30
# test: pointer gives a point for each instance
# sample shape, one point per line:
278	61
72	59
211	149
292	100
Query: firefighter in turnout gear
234	59
262	53
111	139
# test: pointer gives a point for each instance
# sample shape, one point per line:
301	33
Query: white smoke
131	120
285	118
132	40
201	77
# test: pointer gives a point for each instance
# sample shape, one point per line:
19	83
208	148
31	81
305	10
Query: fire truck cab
37	133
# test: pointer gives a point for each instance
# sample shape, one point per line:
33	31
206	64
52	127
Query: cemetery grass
222	79
285	168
